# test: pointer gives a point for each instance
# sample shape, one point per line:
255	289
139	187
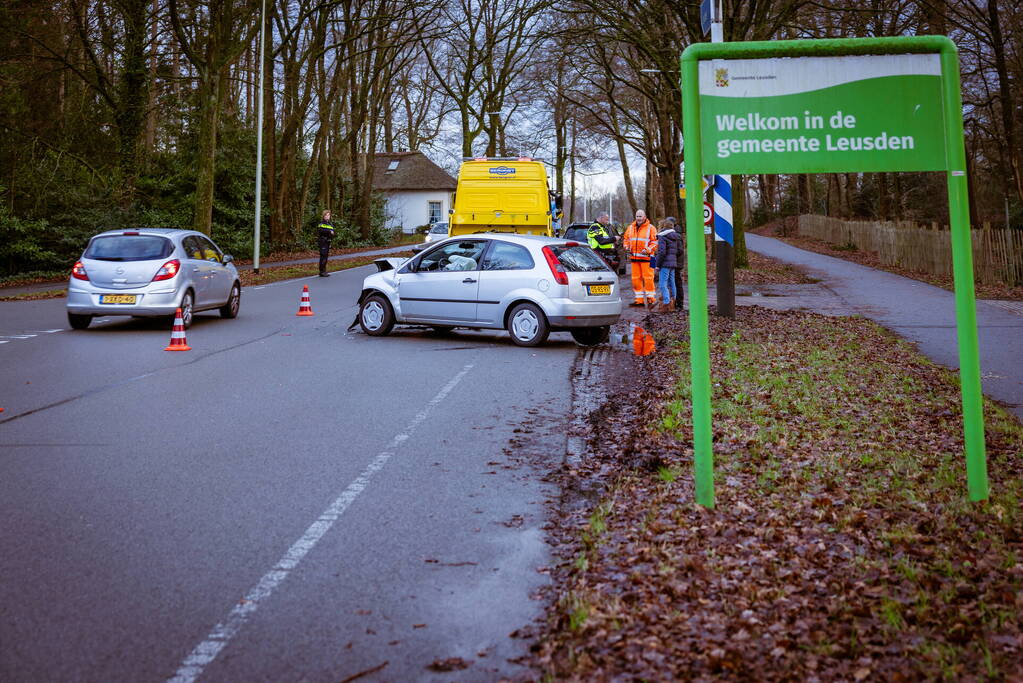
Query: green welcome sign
828	106
822	114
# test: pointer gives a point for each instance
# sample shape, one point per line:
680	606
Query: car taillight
167	270
78	271
557	270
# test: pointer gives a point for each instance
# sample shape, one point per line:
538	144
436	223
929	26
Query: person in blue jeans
669	257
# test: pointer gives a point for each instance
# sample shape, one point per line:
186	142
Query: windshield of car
129	248
578	259
439	229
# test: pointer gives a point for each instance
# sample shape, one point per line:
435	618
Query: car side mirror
228	259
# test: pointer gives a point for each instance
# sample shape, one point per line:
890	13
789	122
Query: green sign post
828	106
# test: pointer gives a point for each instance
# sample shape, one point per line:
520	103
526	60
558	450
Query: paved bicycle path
918	312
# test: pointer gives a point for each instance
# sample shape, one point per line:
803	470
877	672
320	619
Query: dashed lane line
205	652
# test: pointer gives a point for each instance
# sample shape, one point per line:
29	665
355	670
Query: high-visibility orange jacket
640	241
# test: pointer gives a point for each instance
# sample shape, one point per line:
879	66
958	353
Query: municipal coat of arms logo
721	78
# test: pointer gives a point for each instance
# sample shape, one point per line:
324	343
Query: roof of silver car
515	236
147	231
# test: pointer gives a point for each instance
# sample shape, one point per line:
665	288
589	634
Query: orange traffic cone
304	307
177	341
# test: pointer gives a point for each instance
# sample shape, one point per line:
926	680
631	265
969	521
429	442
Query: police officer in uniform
600	239
324	236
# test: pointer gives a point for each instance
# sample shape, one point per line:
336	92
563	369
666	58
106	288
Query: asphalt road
287	501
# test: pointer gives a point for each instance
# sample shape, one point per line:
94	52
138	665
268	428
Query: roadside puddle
638	341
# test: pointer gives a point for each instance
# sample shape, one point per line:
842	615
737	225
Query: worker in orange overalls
641	243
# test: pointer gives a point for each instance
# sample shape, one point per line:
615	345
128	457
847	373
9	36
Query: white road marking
205	652
6	338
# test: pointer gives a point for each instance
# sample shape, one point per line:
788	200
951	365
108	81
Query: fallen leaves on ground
449	664
763	270
842	545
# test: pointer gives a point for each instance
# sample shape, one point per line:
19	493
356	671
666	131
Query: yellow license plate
117	299
598	289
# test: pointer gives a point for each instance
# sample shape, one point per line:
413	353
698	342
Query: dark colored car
616	259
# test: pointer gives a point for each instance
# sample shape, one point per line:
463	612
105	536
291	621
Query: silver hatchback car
151	272
529	285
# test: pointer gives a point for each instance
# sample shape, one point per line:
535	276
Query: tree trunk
211	90
1007	104
739	221
884	211
467	136
154	36
630	190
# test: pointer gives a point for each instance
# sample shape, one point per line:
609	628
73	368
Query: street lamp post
724	236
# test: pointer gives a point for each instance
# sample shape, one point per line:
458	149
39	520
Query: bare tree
211	34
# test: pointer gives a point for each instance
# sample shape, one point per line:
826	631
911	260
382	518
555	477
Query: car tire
528	325
591	336
187	307
230	309
78	322
376	317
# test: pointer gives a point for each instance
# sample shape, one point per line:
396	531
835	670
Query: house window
392	167
435	212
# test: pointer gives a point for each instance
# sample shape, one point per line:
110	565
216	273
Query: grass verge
34	296
269	274
842	546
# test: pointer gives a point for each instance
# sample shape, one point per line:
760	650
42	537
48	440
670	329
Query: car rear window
129	248
578	259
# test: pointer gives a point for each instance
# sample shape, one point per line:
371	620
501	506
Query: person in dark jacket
324	236
669	258
680	270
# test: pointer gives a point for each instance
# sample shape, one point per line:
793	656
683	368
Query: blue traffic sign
706	14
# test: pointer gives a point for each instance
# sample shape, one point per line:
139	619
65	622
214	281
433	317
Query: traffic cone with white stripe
305	308
177	340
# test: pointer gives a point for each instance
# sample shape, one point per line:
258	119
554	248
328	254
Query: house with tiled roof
416	190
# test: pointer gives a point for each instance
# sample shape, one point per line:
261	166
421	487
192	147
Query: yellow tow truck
506	194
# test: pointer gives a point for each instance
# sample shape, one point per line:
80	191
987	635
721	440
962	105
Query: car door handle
468	280
195	269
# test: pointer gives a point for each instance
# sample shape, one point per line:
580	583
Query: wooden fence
997	254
